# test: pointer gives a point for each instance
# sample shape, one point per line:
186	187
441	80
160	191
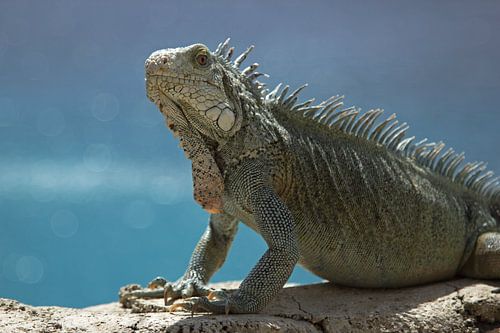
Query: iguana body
347	197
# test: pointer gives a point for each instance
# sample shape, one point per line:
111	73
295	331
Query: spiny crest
225	53
389	133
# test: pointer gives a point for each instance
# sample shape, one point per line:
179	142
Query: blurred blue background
94	191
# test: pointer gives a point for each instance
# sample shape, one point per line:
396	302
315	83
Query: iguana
348	197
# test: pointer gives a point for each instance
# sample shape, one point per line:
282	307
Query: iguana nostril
151	66
156	63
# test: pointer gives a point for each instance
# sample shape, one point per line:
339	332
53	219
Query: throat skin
208	182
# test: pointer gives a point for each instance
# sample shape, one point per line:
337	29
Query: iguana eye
202	59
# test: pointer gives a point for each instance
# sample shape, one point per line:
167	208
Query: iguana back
395	222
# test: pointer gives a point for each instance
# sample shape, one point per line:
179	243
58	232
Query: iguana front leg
208	256
275	224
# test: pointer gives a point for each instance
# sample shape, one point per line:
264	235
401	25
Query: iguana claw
183	289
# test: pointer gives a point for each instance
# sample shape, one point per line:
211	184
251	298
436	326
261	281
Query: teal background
94	191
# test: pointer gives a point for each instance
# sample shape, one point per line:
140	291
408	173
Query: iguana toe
201	304
157	282
184	289
130	293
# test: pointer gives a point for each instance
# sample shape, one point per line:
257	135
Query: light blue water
95	193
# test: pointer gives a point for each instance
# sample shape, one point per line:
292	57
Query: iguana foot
131	292
184	288
159	287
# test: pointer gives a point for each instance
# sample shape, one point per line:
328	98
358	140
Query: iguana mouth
153	85
168	106
172	110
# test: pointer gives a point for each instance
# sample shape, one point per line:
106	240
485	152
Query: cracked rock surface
461	305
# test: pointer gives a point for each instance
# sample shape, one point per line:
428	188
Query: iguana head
191	84
202	95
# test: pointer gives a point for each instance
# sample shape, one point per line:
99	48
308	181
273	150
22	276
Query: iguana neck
259	131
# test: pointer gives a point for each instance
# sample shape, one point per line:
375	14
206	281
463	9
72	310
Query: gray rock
462	305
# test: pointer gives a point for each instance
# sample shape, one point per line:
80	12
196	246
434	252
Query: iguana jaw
171	110
177	117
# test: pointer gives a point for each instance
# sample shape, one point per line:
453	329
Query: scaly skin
354	203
